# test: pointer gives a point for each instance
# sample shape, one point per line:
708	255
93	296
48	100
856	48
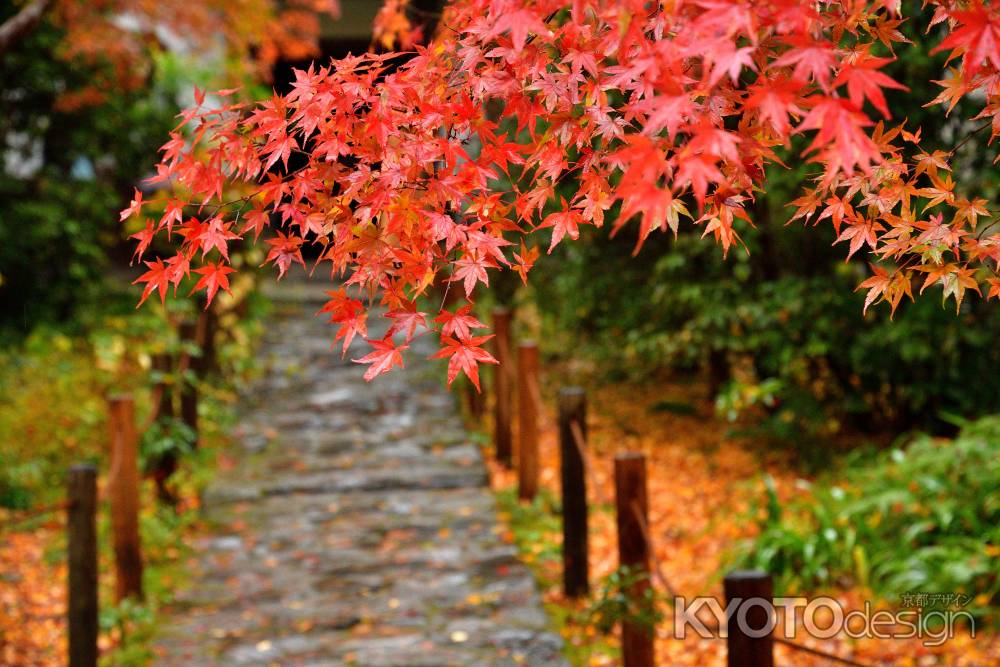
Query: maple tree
443	162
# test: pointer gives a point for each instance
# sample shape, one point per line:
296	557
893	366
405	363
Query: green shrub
921	519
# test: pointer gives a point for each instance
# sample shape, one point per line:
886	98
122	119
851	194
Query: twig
17	26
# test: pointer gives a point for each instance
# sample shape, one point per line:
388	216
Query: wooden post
189	390
754	617
632	506
502	387
163	465
573	424
123	492
163	364
527	440
208	325
81	530
474	401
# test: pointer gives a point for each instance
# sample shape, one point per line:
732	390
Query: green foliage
921	519
166	437
534	526
614	604
799	340
50	414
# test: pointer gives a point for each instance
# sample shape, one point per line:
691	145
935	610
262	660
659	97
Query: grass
537	532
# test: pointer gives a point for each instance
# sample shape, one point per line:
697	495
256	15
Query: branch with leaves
654	116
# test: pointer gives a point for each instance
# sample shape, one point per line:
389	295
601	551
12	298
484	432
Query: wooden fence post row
632	509
81	529
527	402
744	649
123	492
502	387
572	468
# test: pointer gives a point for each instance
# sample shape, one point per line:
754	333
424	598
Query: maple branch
17	26
968	138
985	229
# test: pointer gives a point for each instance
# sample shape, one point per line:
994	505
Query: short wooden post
189	389
123	492
749	641
527	437
81	529
573	426
502	387
632	507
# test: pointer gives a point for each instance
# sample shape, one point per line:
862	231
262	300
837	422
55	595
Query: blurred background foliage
65	172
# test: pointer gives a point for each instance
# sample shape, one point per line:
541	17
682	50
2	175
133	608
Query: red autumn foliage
408	169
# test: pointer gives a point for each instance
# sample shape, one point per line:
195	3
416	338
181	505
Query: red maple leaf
464	356
459	324
134	206
471	269
978	40
385	355
348	313
285	249
563	223
145	237
407	321
159	277
865	81
213	278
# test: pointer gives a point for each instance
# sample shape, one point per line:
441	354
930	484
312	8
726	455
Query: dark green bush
925	518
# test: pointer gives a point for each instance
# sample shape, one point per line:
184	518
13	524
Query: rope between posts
588	466
536	398
818	653
647	536
31	513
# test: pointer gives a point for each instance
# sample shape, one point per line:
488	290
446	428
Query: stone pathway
356	528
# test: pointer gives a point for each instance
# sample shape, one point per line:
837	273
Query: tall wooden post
632	506
123	492
755	617
572	439
163	465
527	437
502	387
163	364
81	530
208	326
189	389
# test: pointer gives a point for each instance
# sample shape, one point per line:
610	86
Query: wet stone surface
355	529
